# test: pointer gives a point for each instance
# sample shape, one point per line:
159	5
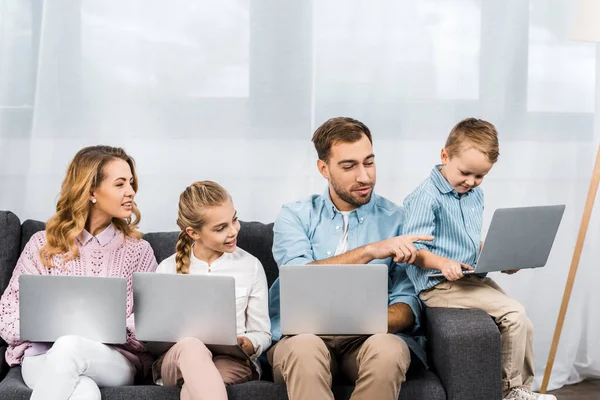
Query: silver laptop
54	306
170	307
334	299
518	238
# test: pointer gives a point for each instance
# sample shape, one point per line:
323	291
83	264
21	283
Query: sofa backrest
10	237
254	237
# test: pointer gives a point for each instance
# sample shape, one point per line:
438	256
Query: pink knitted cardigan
120	256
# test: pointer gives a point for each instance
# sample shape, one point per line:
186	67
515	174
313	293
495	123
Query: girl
93	233
207	246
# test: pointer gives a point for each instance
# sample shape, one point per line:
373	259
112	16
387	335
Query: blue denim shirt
310	230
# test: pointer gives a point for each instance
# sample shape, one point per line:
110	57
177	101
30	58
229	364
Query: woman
93	233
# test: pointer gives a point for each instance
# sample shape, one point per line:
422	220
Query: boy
449	206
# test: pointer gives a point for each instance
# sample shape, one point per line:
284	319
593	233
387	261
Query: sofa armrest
3	365
464	349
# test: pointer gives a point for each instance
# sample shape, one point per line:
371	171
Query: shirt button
337	227
328	253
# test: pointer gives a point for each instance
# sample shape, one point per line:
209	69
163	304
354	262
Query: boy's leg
516	331
233	370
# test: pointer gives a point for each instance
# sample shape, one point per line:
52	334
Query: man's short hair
338	130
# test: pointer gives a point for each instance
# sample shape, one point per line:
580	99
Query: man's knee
306	351
385	352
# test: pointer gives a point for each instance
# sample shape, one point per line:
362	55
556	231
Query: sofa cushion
254	237
28	228
10	236
420	384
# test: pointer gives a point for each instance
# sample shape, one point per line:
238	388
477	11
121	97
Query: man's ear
323	169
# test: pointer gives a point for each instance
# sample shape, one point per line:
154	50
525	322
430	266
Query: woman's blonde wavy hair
84	175
191	214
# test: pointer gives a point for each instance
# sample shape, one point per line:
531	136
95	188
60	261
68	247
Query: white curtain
232	91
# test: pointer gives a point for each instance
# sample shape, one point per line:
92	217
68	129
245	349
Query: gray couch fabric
464	345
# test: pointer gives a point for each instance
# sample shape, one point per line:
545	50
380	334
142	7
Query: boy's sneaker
522	393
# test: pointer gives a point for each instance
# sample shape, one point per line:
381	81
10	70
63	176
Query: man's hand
400	248
246	345
453	270
511	271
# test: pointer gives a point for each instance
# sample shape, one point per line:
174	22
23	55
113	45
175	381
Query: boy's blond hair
474	133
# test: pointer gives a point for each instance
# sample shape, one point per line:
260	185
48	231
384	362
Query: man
348	224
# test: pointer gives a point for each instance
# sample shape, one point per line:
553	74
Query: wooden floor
586	390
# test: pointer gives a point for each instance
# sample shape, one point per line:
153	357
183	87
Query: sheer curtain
232	90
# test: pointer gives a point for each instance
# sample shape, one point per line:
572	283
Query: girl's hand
246	345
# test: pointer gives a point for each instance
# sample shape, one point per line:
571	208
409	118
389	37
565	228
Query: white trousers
74	369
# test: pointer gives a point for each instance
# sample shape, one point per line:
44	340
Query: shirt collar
362	212
440	182
103	237
215	263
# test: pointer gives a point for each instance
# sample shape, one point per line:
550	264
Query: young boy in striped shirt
449	206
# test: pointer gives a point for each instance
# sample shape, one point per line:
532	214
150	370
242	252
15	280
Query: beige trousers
306	364
516	331
204	377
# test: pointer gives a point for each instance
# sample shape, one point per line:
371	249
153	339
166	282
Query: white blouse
251	291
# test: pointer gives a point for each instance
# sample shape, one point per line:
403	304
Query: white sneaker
522	393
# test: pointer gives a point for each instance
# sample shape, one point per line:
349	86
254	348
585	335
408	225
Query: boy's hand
511	271
246	345
453	270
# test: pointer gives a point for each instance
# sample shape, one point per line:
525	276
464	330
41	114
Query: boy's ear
444	156
323	169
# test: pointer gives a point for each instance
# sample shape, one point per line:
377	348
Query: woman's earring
94	201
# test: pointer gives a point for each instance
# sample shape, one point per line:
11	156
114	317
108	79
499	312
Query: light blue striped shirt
454	220
310	230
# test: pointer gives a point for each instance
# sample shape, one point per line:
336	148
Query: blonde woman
207	246
93	233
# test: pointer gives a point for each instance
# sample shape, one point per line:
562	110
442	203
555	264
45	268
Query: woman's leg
72	357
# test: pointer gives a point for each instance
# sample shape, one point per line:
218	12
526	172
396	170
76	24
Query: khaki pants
204	377
306	364
516	331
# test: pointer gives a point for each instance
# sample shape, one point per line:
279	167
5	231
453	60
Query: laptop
170	307
518	238
334	299
54	306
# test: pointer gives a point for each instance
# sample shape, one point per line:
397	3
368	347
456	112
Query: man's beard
348	197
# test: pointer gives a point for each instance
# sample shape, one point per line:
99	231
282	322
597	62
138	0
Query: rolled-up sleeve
419	211
291	244
401	290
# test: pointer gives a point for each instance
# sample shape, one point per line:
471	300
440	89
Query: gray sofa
463	345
